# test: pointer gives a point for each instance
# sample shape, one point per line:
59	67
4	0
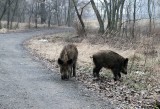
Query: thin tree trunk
69	13
29	23
4	10
43	12
36	15
49	21
100	21
114	10
8	14
80	18
14	11
121	14
49	17
150	15
108	13
134	19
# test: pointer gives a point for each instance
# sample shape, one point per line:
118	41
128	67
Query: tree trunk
14	11
100	21
150	15
43	12
49	21
4	10
8	14
121	14
134	19
36	12
49	17
57	13
108	13
80	18
29	22
114	10
69	13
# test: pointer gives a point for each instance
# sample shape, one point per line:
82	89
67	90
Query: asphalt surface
26	83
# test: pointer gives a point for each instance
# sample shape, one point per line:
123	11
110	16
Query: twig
84	7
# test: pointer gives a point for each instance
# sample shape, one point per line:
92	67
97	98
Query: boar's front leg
116	73
70	73
96	70
74	70
119	74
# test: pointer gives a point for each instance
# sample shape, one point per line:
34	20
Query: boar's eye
60	62
69	61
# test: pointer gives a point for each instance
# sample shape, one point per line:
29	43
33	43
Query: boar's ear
126	61
60	62
69	61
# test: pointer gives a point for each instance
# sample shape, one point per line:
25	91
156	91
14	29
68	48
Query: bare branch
84	7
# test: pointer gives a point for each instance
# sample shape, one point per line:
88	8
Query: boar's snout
65	68
64	77
124	70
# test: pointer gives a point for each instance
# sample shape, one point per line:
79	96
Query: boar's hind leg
74	70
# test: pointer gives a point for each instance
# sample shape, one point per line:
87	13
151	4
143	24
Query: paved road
26	84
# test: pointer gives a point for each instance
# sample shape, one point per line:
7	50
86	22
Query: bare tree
36	14
30	12
100	21
80	15
14	11
3	12
8	13
49	14
150	15
114	13
134	18
43	11
69	15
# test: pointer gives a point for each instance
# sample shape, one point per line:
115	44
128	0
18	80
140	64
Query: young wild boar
67	61
110	60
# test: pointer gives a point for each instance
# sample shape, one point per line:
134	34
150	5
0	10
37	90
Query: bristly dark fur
67	61
111	60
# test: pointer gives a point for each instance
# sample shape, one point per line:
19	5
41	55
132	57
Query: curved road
26	84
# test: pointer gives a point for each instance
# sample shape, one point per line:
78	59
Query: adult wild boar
67	61
111	60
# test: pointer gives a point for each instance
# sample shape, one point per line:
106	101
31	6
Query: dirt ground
140	88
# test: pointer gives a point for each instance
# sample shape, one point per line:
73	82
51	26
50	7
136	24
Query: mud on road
25	83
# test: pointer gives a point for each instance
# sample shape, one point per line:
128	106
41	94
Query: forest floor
140	88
